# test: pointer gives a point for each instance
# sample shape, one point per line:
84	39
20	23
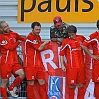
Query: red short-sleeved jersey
94	42
8	44
33	57
72	50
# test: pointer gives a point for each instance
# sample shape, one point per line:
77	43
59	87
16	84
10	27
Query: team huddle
72	45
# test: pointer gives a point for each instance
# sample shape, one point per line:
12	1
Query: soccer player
93	41
74	67
9	41
33	62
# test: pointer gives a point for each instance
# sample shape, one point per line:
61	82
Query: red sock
16	82
71	93
96	90
81	93
43	92
3	93
30	92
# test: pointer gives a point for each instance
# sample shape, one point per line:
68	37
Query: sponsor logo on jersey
35	42
4	42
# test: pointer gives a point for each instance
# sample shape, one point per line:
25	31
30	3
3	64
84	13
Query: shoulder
94	35
65	24
52	27
81	37
13	33
30	36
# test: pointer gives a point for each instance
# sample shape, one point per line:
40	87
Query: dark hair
98	24
71	29
35	24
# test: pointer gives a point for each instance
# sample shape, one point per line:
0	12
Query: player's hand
63	68
96	57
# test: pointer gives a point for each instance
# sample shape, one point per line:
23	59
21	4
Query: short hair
71	29
98	24
1	22
35	24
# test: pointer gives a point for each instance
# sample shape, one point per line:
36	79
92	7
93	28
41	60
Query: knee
4	82
30	82
72	86
22	74
41	82
80	85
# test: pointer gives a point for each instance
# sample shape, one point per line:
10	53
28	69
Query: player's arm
7	45
18	37
86	50
62	63
89	53
43	45
36	45
62	53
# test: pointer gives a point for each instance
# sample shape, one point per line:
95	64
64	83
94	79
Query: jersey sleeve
7	45
91	39
18	37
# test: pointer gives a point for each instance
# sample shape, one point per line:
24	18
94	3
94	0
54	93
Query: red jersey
71	48
33	57
94	42
8	44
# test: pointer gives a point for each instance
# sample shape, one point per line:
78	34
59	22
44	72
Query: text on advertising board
69	10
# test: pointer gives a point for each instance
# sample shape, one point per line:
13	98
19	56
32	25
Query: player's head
58	22
36	28
98	24
4	27
71	30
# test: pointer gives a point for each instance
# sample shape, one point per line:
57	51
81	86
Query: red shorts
33	73
95	73
75	75
7	70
